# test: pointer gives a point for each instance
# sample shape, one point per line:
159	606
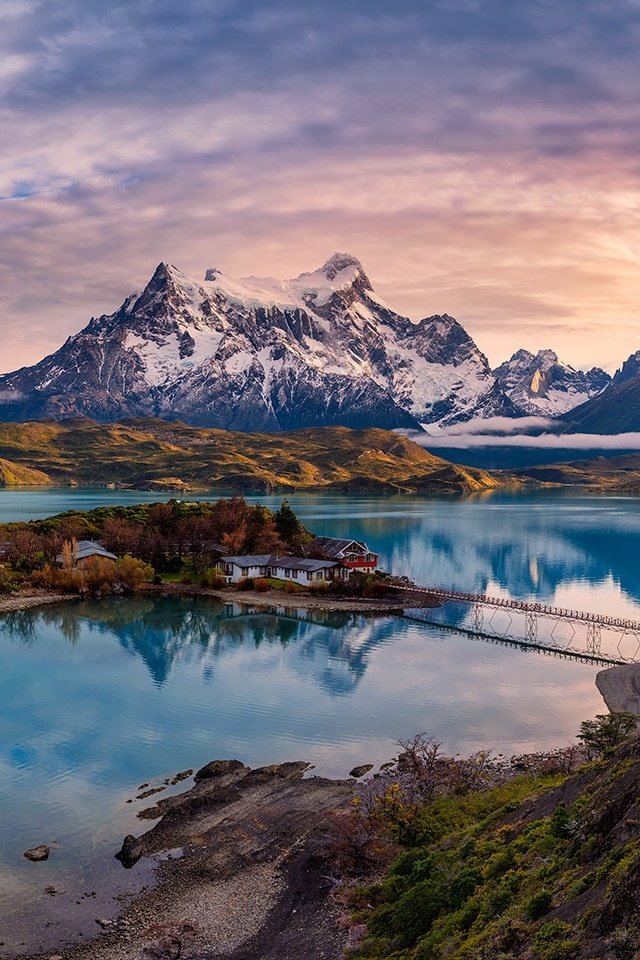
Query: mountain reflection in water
330	647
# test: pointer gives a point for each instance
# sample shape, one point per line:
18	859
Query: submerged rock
41	852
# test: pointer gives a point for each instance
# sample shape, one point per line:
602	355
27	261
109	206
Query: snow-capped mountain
263	354
257	354
542	385
616	410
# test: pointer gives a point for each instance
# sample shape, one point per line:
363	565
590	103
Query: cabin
303	570
306	570
85	550
234	569
354	554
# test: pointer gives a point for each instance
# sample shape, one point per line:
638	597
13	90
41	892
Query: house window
294	574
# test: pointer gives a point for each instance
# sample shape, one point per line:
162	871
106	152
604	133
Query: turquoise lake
97	698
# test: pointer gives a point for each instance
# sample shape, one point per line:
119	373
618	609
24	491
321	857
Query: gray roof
89	548
287	563
296	563
333	547
252	560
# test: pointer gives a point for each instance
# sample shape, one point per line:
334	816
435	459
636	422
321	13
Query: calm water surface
98	698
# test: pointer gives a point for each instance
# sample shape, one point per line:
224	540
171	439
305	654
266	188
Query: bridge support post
477	617
594	638
530	627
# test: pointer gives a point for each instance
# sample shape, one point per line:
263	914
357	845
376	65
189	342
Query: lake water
97	698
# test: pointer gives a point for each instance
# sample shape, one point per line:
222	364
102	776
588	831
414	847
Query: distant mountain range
319	350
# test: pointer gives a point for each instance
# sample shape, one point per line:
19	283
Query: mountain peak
547	355
339	262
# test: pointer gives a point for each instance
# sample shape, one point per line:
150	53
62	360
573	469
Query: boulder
360	771
130	851
40	852
217	768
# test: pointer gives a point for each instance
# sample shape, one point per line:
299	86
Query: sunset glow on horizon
480	157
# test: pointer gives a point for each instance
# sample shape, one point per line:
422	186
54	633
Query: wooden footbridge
574	633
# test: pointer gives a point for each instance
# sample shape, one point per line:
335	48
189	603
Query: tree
288	525
607	731
68	554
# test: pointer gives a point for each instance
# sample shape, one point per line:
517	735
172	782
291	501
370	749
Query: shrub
212	578
261	585
539	905
320	587
416	910
245	584
552	942
607	731
131	572
7	583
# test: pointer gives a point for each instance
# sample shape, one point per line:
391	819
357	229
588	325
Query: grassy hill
619	474
16	475
147	453
544	867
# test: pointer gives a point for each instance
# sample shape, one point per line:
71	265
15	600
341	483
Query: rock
620	688
104	922
217	768
183	775
360	771
149	793
130	851
40	852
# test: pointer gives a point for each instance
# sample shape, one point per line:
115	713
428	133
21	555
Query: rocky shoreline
241	871
301	601
33	597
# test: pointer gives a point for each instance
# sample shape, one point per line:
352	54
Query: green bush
607	731
539	905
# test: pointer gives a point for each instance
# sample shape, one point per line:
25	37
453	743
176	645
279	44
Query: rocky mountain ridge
263	354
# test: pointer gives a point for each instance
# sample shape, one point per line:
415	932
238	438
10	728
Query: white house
306	570
297	569
235	569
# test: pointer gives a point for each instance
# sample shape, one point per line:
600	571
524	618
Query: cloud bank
565	441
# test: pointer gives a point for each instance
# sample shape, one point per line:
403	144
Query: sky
481	157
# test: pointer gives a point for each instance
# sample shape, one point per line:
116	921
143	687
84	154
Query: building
302	570
354	554
86	549
235	569
306	570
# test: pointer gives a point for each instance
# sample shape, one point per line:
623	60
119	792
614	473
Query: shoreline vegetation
178	547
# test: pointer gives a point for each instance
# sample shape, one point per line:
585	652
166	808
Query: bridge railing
619	623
